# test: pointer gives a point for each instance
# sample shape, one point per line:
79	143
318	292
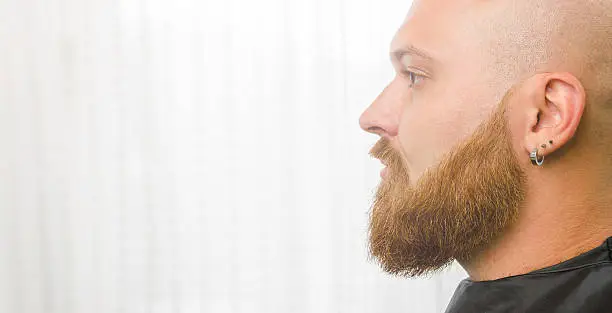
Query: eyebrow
410	50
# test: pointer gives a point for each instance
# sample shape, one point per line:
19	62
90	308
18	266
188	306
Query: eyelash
412	77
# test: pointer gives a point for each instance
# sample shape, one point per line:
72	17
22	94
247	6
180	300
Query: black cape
582	284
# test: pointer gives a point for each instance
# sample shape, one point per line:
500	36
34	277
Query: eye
414	78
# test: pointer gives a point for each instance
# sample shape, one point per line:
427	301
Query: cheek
428	130
422	133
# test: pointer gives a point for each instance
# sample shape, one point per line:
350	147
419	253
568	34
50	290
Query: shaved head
527	37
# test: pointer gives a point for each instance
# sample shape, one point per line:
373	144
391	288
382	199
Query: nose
382	116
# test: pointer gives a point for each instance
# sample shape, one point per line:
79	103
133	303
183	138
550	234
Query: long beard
455	209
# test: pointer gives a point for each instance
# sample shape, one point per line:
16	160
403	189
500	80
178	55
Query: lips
383	172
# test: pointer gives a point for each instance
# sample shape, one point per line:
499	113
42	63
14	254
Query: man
495	134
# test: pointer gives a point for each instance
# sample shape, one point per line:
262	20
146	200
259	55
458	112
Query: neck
553	227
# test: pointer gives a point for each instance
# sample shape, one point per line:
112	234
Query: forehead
439	26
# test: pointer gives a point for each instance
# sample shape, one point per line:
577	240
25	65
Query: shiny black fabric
581	284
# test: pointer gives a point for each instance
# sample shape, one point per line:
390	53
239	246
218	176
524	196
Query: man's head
459	173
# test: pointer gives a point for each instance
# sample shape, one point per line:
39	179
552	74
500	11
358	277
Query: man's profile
495	136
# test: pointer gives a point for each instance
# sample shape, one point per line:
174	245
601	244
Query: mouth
383	173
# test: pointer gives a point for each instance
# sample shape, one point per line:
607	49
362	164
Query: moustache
382	150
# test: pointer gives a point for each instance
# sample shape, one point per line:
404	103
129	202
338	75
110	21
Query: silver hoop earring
534	158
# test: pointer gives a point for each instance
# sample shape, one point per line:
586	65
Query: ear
553	110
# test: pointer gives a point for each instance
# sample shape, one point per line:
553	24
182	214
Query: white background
194	156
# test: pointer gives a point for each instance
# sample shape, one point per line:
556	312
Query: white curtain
194	156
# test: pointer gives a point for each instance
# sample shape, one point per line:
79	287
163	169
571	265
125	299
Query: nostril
376	130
